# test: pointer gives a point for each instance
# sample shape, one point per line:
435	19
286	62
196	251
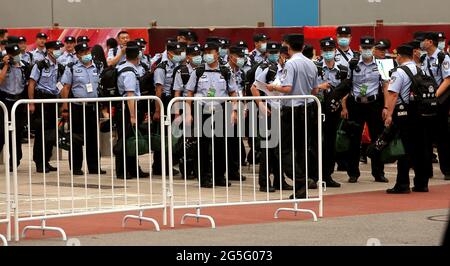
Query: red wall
157	37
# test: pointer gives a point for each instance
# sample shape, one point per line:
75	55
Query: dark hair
132	53
3	32
122	32
112	43
308	51
98	54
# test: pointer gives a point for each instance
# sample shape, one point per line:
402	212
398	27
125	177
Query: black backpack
44	64
424	90
185	75
250	76
223	70
108	81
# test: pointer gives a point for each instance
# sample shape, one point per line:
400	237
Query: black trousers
270	155
404	125
443	137
370	113
298	163
49	137
157	155
233	143
422	152
91	144
329	130
21	119
125	125
207	145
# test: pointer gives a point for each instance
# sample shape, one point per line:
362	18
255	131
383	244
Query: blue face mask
197	60
57	53
328	56
344	42
367	53
263	48
240	62
441	46
223	52
86	58
183	56
209	58
273	58
177	58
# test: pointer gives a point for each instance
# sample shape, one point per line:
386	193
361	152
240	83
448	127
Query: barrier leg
296	210
3	240
199	216
141	218
43	227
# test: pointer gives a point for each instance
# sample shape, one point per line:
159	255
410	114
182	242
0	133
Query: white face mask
441	46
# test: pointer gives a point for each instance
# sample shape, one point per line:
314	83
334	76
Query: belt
45	95
298	106
11	97
367	99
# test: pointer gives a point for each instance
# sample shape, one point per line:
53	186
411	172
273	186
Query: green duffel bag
142	144
342	139
393	151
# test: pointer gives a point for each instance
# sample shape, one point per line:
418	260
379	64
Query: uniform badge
284	74
78	71
393	79
431	89
446	65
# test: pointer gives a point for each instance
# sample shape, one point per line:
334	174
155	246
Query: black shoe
299	195
95	172
41	170
141	175
363	159
222	183
396	190
78	172
447	177
51	168
264	189
127	178
353	179
341	168
237	178
381	179
206	184
312	184
420	189
284	185
175	171
331	183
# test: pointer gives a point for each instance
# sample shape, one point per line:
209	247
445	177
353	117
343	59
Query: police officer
402	119
25	56
69	55
12	88
163	80
224	49
83	39
81	80
331	76
364	104
299	77
128	85
259	53
40	52
212	80
344	53
117	55
182	75
45	84
436	64
380	49
187	37
145	59
159	57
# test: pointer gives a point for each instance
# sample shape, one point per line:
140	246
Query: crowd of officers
219	68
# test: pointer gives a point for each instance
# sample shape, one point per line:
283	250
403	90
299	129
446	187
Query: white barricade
212	189
63	194
5	196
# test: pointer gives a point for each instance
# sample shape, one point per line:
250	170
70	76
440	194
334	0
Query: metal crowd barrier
188	193
5	200
60	194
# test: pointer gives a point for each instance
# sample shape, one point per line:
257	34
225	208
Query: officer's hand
188	119
353	63
31	107
388	121
344	113
65	116
264	110
271	87
384	114
324	86
157	116
133	121
6	60
234	117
